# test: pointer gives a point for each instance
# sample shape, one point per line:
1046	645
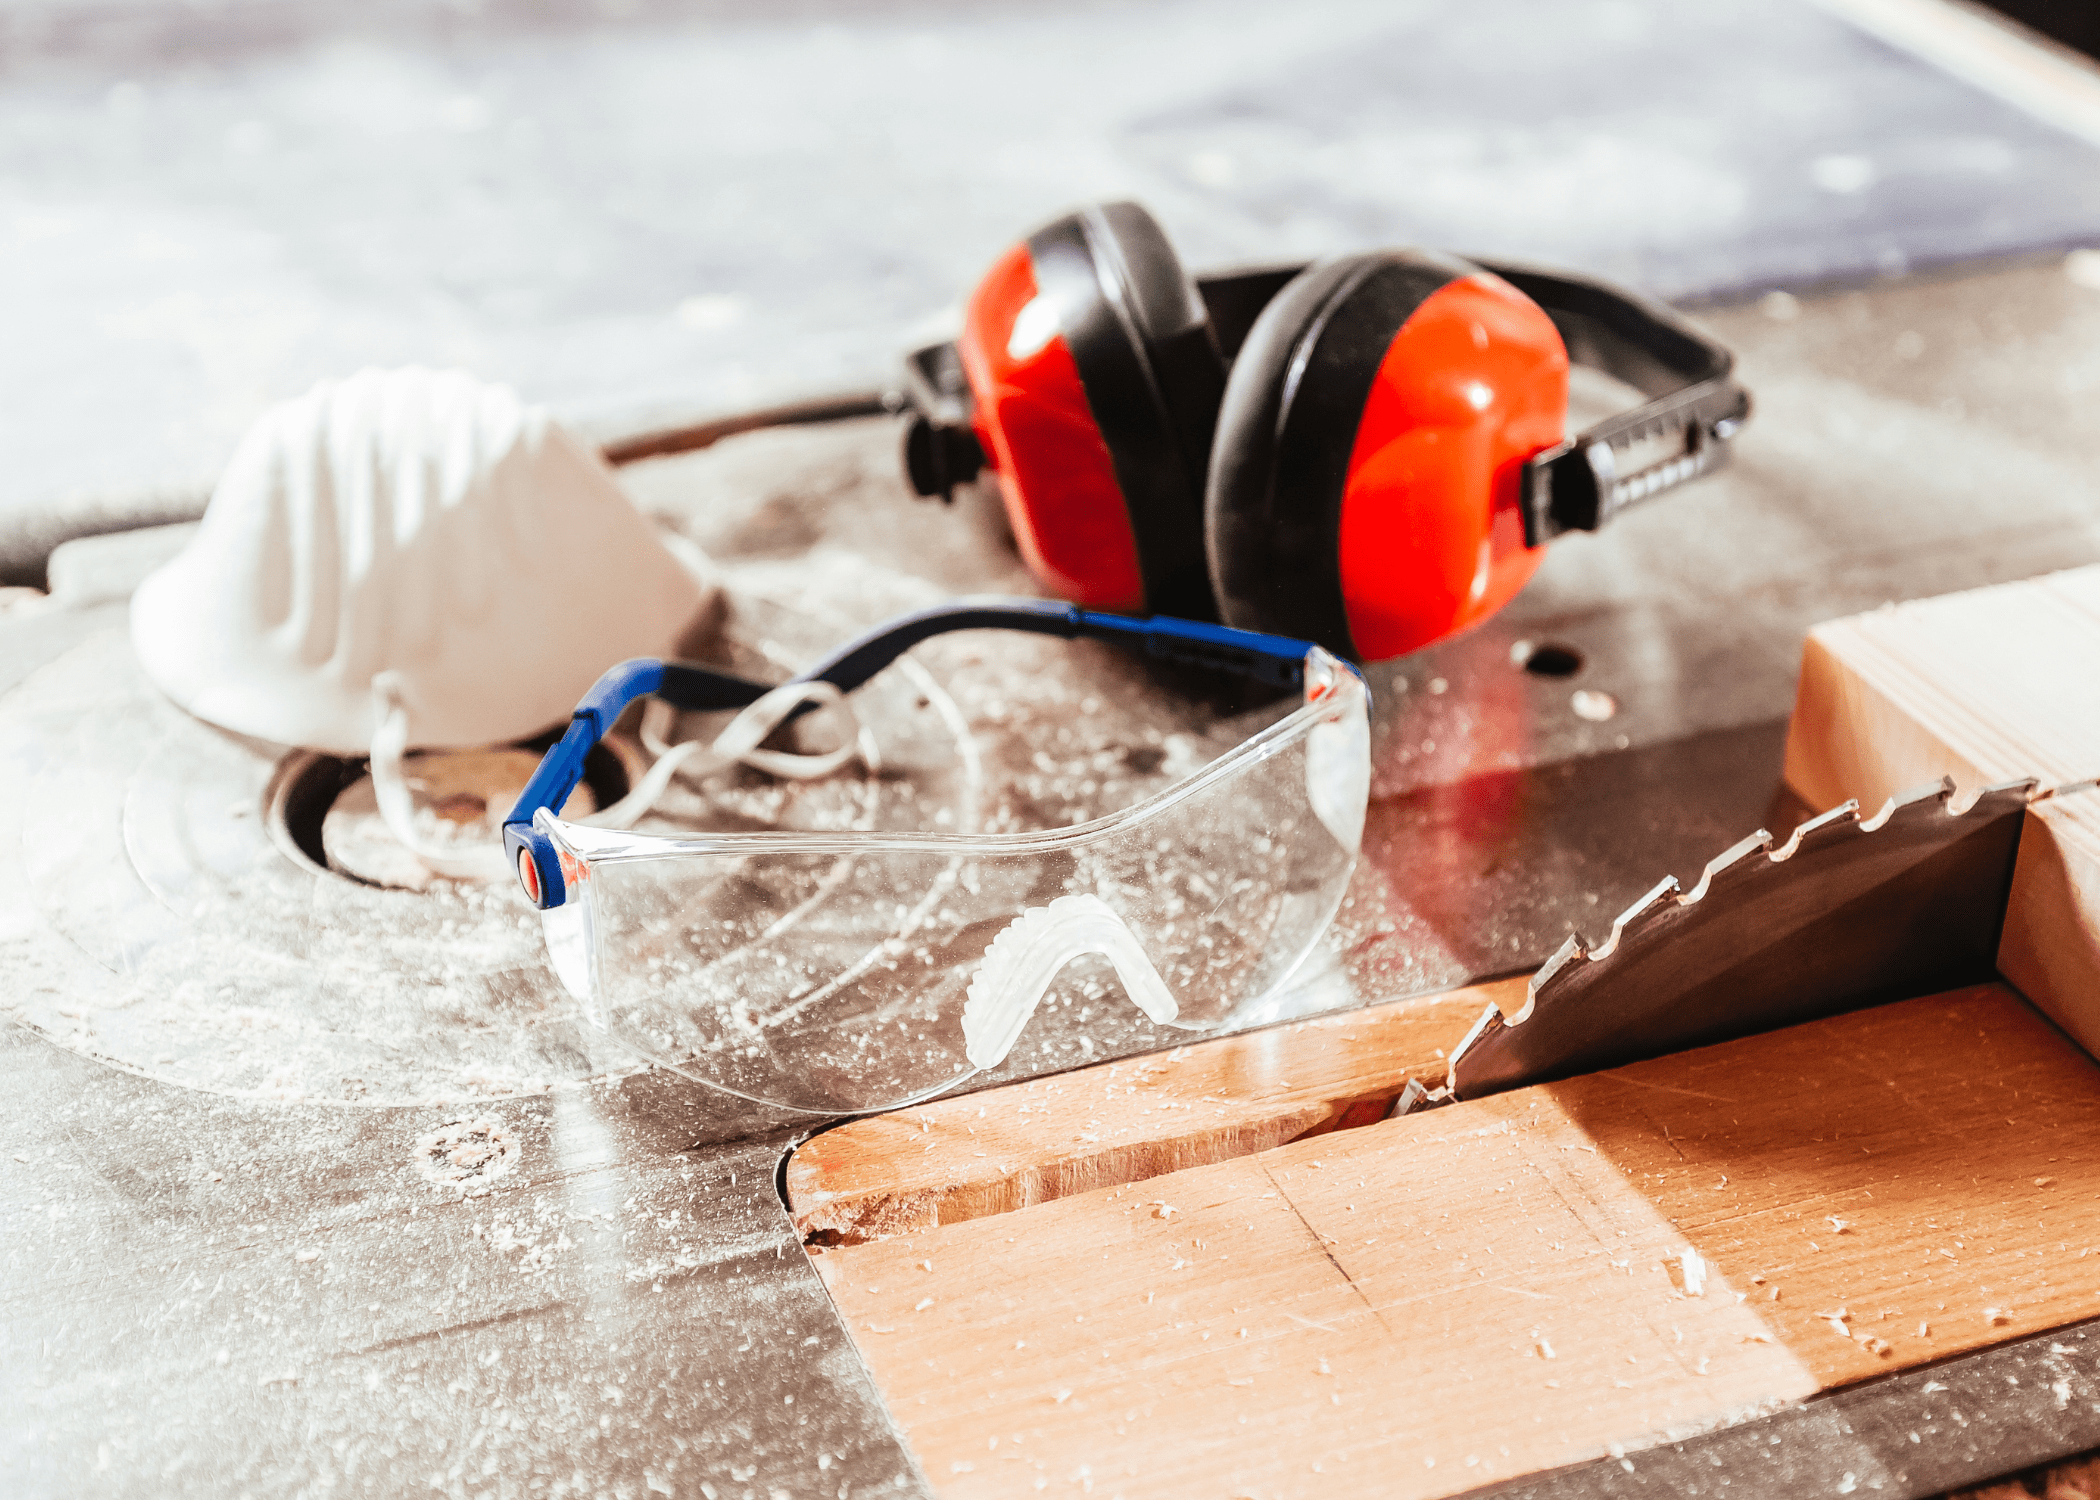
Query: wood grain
1115	1123
1983	686
1429	1304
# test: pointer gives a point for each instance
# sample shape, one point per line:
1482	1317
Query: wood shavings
1838	1322
1993	1316
1694	1268
1838	1225
1163	1210
2043	1181
922	1304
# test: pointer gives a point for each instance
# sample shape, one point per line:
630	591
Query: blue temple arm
1275	660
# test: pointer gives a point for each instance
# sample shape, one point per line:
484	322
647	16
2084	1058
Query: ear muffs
1096	380
1367	480
1380	470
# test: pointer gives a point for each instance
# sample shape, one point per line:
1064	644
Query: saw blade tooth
1930	794
1656	900
1490	1020
2065	789
1734	855
1562	958
2002	797
2028	788
2025	784
1839	818
1418	1097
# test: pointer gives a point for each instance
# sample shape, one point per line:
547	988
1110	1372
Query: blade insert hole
1546	658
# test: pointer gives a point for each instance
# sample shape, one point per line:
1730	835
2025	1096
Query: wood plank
1371	1312
962	1158
1981	686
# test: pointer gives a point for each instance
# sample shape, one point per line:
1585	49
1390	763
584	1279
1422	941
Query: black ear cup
1141	338
1286	431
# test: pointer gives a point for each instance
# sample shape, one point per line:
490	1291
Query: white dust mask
409	550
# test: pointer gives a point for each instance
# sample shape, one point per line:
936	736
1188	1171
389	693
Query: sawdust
469	1154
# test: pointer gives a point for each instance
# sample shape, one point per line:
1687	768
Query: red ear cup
1096	380
1364	486
1039	436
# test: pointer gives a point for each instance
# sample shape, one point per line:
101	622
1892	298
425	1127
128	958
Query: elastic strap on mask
738	742
397	801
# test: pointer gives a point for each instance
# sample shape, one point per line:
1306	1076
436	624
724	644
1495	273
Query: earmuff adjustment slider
1693	411
1581	483
941	449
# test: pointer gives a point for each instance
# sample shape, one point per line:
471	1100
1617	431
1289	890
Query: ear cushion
1109	293
1363	482
1173	325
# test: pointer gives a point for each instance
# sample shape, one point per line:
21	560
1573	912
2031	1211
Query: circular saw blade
1847	913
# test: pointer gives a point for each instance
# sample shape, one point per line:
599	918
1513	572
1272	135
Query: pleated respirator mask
413	559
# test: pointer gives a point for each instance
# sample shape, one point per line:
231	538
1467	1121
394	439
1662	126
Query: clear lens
846	972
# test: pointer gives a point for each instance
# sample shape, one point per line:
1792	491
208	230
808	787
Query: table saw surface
216	1295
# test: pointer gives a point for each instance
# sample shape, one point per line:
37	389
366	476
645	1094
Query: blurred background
647	212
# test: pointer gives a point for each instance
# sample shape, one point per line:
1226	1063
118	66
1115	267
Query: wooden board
1425	1305
1116	1123
1982	686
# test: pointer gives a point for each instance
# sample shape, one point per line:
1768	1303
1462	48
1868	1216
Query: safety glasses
845	971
